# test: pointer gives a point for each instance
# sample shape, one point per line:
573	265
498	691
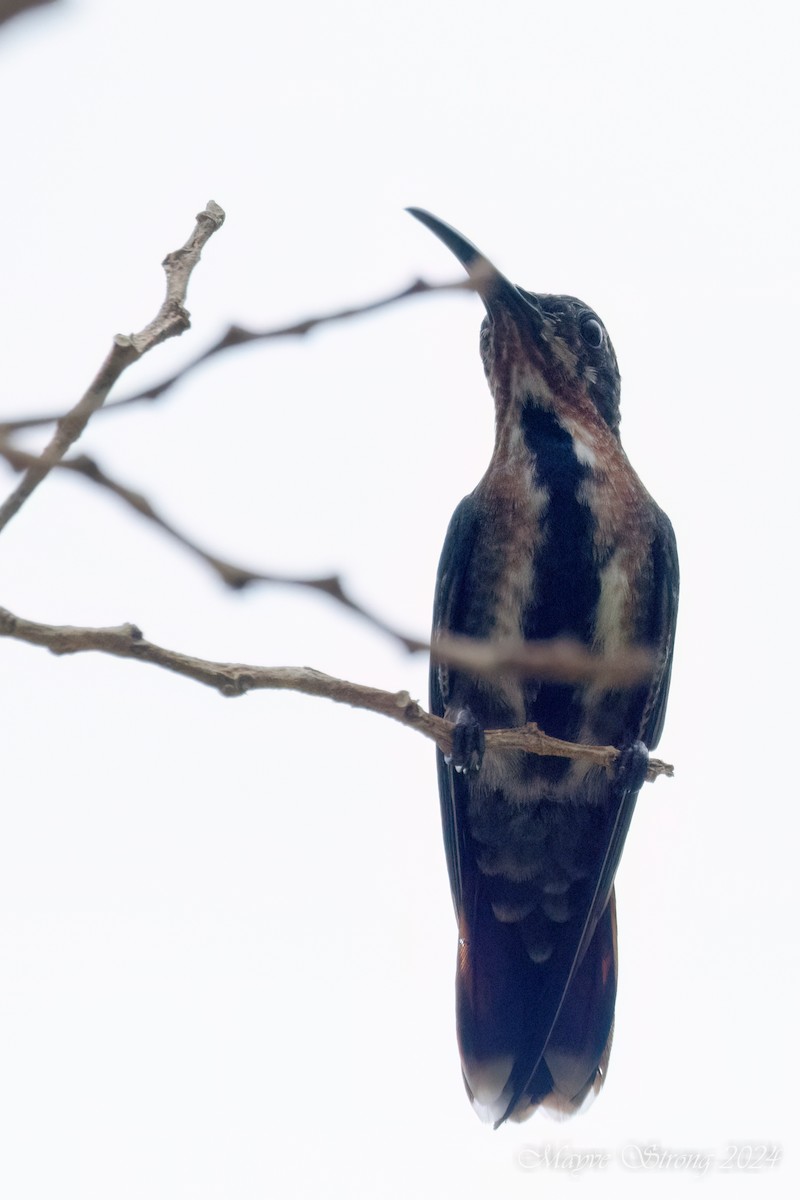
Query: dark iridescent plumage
558	538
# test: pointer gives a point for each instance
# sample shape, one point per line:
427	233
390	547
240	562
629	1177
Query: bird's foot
631	767
468	743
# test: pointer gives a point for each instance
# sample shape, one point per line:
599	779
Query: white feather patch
615	593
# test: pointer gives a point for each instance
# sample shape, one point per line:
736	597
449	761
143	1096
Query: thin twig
233	575
171	320
234	679
236	335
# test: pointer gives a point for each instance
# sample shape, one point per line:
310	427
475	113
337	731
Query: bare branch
234	679
236	335
171	320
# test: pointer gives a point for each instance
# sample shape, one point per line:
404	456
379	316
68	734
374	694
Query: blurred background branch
13	8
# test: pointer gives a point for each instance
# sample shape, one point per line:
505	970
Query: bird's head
553	350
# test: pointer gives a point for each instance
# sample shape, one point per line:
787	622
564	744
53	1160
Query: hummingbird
559	538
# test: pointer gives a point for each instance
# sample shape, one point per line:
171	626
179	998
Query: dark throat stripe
567	584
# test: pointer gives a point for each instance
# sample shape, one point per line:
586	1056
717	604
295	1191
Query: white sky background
226	940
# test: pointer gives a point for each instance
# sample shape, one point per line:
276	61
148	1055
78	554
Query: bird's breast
563	550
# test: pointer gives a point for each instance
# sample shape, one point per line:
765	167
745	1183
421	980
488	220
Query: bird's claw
468	744
631	767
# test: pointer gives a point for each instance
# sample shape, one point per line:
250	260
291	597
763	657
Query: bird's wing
665	607
448	617
666	582
591	945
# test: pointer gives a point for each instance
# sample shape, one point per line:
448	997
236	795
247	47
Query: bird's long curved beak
490	284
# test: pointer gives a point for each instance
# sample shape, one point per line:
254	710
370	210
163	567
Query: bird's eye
592	332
